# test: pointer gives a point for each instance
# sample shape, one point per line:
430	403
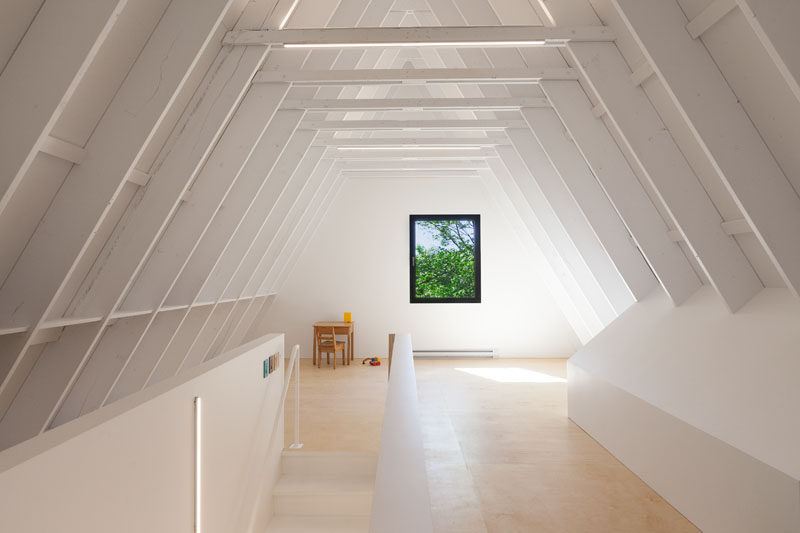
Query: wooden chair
327	343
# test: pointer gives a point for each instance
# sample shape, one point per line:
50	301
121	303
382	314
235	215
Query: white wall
358	261
129	466
718	391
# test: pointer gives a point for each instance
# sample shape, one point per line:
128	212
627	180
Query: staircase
323	491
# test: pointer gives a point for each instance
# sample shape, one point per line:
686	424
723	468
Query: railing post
295	365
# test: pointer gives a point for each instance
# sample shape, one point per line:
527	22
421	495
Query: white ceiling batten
441	36
414	104
423	76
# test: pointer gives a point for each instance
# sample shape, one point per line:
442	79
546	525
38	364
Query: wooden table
339	328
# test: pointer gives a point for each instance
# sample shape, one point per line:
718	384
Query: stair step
317	524
324	494
333	463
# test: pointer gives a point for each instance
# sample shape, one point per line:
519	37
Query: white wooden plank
709	16
30	407
278	264
262	269
239	236
138	366
641	73
722	128
138	177
631	112
775	24
294	167
602	278
623	189
408	153
52	253
91	388
423	164
557	225
563	287
228	238
377	142
233	279
399	104
513	36
736	227
43	336
62	149
438	125
366	76
636	278
210	189
36	83
174	352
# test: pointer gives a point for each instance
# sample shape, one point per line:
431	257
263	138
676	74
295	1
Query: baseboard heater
441	354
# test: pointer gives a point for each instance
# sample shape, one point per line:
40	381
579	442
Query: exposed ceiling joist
405	174
342	125
403	142
425	164
425	152
421	76
459	36
399	104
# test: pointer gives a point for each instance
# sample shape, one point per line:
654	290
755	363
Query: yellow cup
348	317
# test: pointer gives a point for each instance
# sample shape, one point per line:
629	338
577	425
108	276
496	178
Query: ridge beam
366	76
483	36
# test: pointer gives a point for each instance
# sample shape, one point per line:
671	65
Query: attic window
445	258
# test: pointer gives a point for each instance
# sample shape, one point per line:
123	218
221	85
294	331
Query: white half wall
358	262
129	467
702	405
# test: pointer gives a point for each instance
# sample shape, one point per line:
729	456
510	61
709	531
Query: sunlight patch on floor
512	375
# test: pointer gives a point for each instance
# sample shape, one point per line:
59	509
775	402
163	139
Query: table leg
314	344
350	344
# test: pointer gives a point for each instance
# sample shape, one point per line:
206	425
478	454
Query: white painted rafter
630	111
722	128
775	24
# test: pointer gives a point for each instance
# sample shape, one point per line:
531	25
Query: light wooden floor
501	456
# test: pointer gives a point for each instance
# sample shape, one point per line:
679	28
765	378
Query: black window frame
414	299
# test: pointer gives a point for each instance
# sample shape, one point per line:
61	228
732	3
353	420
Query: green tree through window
445	258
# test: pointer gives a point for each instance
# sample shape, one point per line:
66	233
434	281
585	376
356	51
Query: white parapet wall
130	466
702	405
